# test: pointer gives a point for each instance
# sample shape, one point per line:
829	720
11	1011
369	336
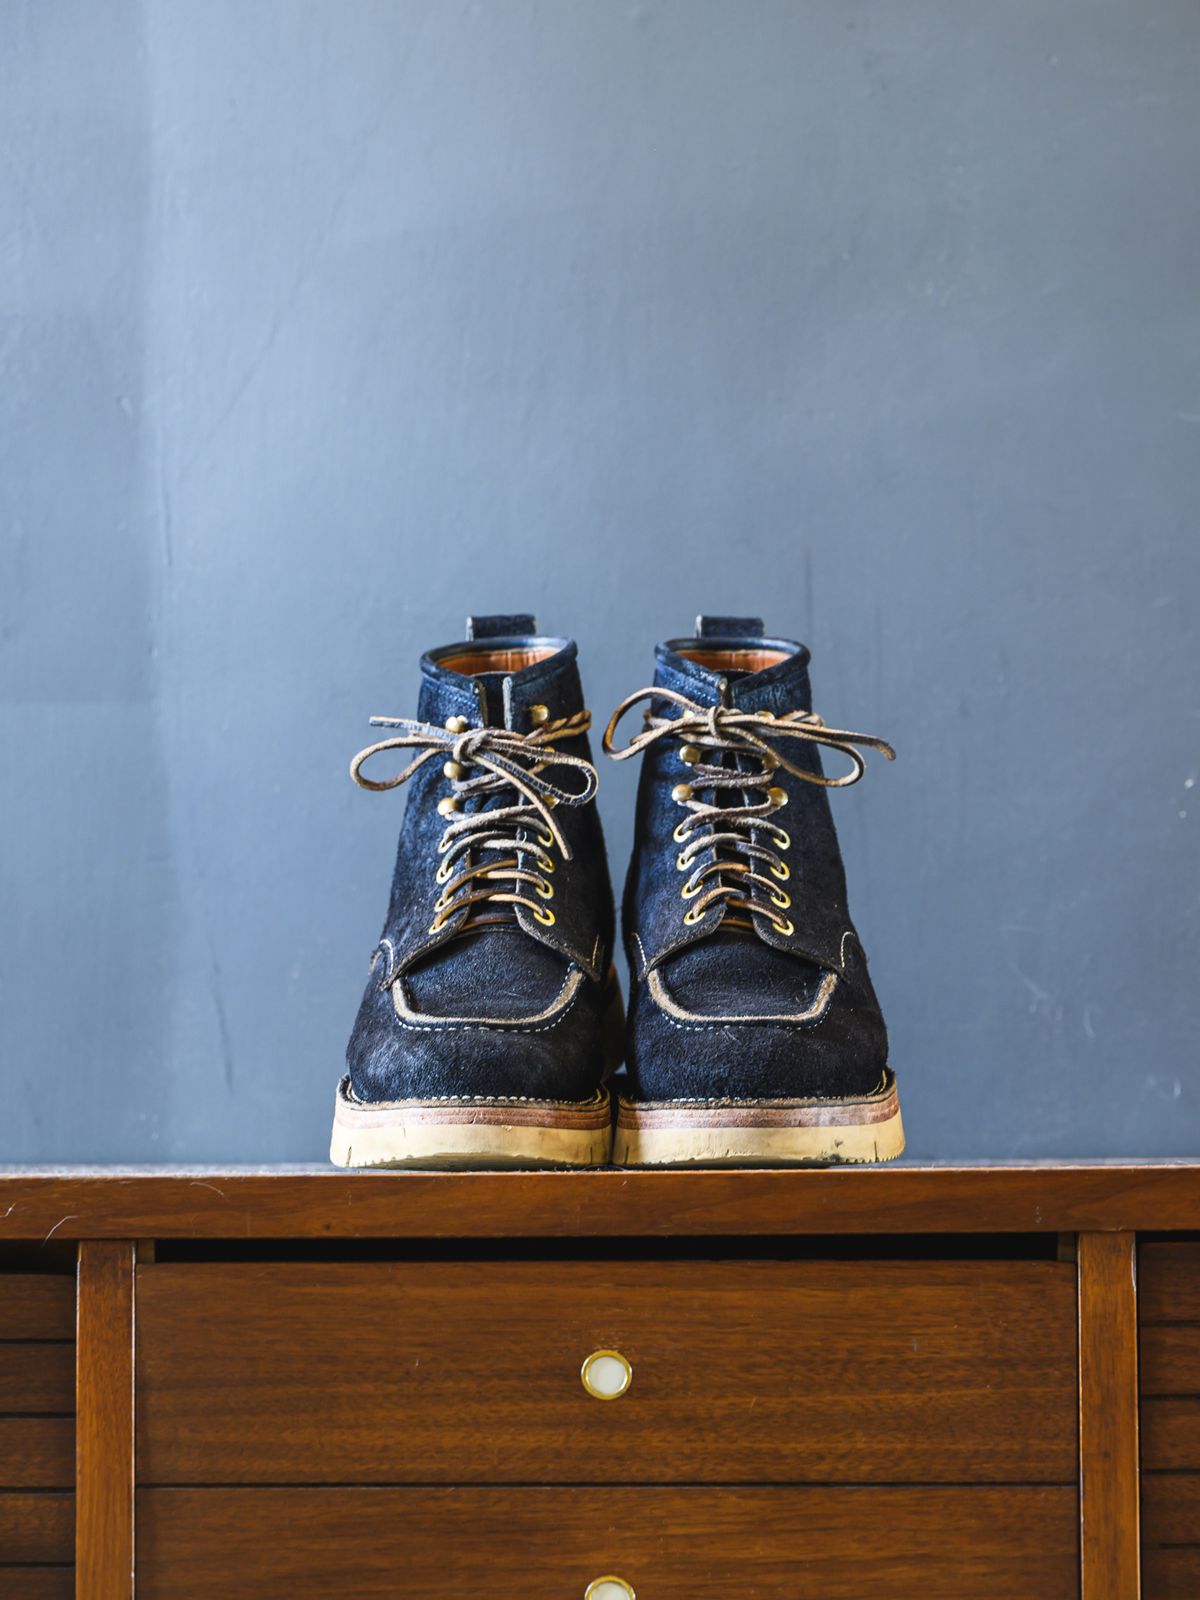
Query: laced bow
482	763
708	735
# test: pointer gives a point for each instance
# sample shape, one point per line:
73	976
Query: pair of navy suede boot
492	1020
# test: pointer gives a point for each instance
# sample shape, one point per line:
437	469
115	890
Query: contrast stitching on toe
882	1089
346	1091
549	1018
390	969
672	1010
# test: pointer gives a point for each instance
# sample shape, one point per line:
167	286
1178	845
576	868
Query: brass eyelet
545	916
682	865
544	839
691	890
544	890
444	873
681	793
539	714
447	806
777	796
782	838
781	870
783	900
545	862
681	832
783	926
457	724
693	916
452	769
690	754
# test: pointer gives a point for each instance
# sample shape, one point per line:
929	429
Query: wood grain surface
36	1306
36	1528
669	1544
37	1452
104	1457
37	1377
1170	1355
743	1372
1169	1282
1108	1417
1171	1536
1171	1433
1169	1306
322	1203
37	1583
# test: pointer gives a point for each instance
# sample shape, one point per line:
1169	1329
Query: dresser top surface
299	1202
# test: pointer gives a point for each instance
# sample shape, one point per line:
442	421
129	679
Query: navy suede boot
754	1037
491	1019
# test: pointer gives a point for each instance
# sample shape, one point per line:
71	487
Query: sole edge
761	1133
471	1134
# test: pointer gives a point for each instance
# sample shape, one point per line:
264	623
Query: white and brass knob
606	1375
609	1588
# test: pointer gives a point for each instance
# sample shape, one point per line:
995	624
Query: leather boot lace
733	756
485	859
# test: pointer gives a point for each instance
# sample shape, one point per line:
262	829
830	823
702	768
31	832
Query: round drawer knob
606	1375
609	1589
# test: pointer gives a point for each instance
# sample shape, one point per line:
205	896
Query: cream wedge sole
482	1132
760	1133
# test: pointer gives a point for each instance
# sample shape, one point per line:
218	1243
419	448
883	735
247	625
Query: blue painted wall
322	324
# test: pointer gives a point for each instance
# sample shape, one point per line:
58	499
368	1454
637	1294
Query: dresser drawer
37	1436
1005	1543
1169	1340
37	1583
466	1372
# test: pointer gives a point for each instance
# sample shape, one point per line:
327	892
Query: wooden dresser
904	1383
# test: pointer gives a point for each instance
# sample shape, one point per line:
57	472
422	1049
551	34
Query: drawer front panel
37	1453
741	1372
1169	1282
1171	1537
37	1378
36	1528
37	1436
705	1544
1169	1356
1169	1360
33	1306
37	1583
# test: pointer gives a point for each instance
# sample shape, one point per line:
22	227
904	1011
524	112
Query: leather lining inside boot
511	660
749	659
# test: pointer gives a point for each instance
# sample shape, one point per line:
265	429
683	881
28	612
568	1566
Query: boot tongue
746	673
486	919
490	695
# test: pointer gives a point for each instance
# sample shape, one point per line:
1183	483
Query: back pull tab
729	627
502	625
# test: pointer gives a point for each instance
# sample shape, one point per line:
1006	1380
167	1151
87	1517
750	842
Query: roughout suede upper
762	1011
515	1006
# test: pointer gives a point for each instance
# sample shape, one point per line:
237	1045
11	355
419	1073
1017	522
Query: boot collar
747	671
521	671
